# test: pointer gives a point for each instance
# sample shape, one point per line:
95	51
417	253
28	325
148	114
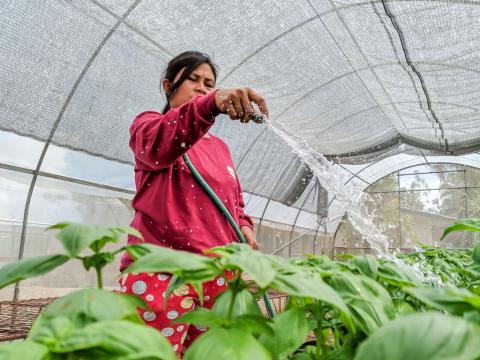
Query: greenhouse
360	183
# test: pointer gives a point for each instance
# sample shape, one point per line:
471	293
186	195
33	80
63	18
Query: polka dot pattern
139	287
186	303
149	316
162	277
152	287
172	314
182	290
168	331
200	328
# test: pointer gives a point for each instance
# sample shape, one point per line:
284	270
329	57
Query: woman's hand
249	235
237	103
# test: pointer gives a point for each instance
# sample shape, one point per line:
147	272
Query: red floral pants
151	288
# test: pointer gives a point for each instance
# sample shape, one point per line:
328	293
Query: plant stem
319	336
321	347
99	277
234	294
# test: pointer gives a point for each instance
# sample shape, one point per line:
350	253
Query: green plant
75	239
88	323
380	293
472	225
354	308
237	309
423	336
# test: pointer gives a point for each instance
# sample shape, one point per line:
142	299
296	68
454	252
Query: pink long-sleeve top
171	209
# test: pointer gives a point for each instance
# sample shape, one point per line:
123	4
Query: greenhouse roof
358	81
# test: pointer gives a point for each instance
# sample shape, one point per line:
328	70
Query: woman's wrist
207	107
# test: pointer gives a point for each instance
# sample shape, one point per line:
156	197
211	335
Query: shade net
346	76
376	86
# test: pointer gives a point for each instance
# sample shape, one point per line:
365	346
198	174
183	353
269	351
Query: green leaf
340	354
116	233
303	285
476	254
51	331
395	275
473	316
100	260
59	226
290	331
27	268
302	356
475	268
253	324
181	263
423	336
24	350
116	340
198	287
321	262
244	304
138	250
77	237
225	250
252	262
367	265
402	307
231	344
174	283
345	256
90	305
127	230
369	303
203	317
461	225
177	281
455	301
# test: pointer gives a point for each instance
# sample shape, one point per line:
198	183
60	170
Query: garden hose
223	209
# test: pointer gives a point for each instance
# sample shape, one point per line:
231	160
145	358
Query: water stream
352	198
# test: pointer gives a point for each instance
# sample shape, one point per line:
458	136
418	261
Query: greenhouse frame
373	118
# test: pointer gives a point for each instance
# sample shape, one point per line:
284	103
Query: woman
171	209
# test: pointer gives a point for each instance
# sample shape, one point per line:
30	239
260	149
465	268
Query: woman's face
200	82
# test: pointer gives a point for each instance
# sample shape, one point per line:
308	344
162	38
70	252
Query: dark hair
189	60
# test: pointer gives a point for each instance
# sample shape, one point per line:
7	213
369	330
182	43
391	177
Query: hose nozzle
258	118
